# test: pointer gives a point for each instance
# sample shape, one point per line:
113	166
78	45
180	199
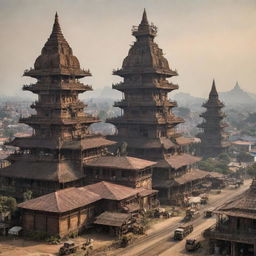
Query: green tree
27	195
7	204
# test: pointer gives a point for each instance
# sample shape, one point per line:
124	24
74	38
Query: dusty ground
21	247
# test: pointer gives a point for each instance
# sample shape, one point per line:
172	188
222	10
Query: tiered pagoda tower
147	123
213	135
53	157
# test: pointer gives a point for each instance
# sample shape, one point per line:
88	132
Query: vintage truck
70	247
181	232
191	213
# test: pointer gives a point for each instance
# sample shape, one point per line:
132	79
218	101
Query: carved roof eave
79	73
141	70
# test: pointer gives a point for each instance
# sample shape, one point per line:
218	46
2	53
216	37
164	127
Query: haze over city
202	39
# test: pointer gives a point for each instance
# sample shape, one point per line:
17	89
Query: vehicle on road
191	213
208	213
181	232
192	245
69	247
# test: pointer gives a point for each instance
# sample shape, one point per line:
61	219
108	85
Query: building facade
53	157
235	231
213	137
73	209
147	123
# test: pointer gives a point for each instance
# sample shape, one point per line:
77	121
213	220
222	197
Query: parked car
192	245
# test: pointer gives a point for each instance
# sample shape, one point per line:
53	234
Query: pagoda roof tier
177	161
57	87
213	104
124	86
192	175
147	143
121	162
144	70
91	141
152	103
122	120
56	57
34	119
219	114
79	73
64	171
222	125
76	105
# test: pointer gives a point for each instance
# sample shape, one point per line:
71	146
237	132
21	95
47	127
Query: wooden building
235	231
53	157
74	209
213	137
124	170
148	124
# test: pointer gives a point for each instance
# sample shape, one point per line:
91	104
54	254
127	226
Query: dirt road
161	243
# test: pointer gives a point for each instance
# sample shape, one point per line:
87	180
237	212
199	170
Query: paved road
160	241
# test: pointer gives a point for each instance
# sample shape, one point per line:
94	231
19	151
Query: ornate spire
56	34
144	20
213	92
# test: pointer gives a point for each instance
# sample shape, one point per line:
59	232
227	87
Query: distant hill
237	96
234	98
188	101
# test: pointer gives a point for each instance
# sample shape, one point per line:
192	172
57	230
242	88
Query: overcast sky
202	39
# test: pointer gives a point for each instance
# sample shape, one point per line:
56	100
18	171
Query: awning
112	219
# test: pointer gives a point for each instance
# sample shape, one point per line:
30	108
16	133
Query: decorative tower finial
144	20
56	26
213	90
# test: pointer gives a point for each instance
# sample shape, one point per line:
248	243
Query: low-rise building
73	209
124	170
235	231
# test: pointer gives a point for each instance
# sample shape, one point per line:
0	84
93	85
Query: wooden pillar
233	249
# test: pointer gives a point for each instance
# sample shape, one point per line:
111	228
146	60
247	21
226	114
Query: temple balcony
222	232
144	103
147	30
35	119
32	158
60	105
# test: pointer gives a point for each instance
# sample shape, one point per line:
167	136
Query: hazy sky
202	39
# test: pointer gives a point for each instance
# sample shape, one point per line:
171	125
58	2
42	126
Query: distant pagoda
53	157
213	136
147	123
